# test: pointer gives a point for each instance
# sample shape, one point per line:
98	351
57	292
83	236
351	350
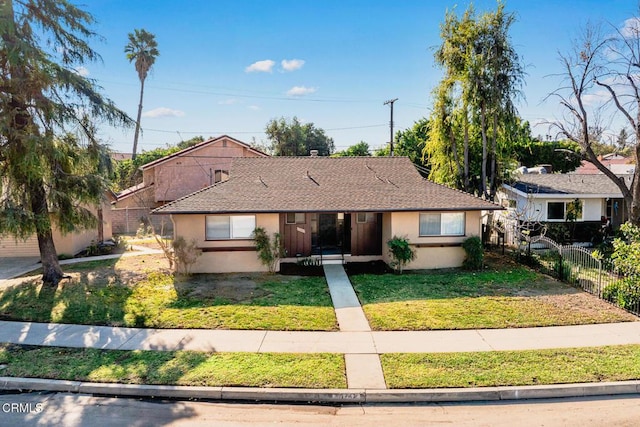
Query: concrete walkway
364	369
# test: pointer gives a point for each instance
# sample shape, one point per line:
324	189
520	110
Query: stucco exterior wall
433	251
194	171
67	244
240	256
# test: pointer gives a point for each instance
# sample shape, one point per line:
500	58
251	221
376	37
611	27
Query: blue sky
221	69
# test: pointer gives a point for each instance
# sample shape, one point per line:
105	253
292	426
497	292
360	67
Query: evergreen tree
50	161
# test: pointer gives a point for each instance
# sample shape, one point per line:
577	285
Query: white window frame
443	224
240	227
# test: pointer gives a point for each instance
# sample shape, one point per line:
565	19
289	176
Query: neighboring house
67	244
322	205
546	198
175	176
616	163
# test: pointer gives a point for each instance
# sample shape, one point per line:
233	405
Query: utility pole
390	102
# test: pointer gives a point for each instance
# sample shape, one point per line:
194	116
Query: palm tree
142	48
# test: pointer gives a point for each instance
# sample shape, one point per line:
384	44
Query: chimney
313	153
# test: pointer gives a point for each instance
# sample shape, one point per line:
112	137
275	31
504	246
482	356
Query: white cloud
292	64
301	90
82	71
254	108
230	101
631	28
596	98
163	112
265	66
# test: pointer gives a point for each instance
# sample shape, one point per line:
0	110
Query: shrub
624	293
475	253
269	252
185	254
401	252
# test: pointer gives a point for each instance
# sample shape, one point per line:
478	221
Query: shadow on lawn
77	301
140	292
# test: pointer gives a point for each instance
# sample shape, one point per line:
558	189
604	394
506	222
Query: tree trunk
456	158
467	186
51	271
494	163
139	116
483	184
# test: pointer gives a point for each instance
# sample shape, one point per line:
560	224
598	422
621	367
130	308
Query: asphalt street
78	410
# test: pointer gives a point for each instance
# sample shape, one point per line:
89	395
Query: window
220	175
442	224
221	227
555	211
561	211
296	218
363	217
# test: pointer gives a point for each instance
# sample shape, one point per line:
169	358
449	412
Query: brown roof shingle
323	184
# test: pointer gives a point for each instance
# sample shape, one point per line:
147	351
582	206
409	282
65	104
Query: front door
327	233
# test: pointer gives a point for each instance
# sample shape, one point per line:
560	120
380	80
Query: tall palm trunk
139	116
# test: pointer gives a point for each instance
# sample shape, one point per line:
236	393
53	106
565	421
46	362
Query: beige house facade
66	244
326	208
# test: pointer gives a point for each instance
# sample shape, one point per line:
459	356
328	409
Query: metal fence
569	263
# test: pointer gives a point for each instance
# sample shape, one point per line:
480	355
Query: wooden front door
366	233
296	234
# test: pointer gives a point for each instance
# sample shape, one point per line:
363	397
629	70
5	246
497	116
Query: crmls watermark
22	407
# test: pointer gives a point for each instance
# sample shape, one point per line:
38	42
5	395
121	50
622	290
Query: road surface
70	410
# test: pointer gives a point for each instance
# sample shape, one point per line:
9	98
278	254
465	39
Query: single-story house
66	244
546	198
349	206
175	176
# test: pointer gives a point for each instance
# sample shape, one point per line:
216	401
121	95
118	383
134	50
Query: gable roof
198	147
569	184
324	184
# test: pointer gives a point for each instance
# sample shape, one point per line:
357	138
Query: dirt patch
582	304
231	287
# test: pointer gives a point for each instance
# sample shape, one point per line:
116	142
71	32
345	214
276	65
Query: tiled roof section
570	184
196	147
317	184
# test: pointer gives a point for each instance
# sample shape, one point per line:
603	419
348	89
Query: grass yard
139	291
501	297
175	367
512	368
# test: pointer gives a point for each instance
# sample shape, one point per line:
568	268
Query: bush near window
475	253
401	252
269	252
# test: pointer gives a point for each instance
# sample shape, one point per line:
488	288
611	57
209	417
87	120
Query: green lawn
175	367
512	368
504	298
103	293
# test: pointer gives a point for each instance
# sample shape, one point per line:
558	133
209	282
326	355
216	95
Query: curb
325	395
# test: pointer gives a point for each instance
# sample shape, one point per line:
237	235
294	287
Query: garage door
10	248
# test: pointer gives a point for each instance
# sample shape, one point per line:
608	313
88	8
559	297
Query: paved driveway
15	266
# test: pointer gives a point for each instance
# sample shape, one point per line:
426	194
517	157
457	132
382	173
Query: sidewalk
355	340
